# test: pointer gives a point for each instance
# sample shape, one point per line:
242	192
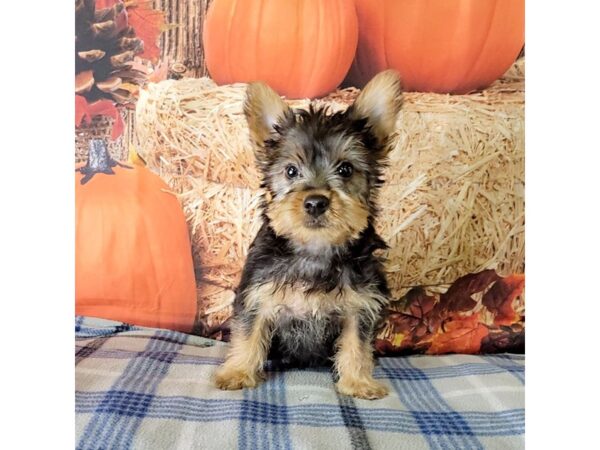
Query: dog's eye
345	170
291	171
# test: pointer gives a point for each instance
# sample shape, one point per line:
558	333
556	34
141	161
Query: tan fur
248	352
264	108
354	363
354	359
379	102
345	218
269	299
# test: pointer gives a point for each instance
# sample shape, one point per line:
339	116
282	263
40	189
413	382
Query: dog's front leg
250	339
354	362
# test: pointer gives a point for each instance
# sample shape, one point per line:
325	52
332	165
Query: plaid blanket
146	388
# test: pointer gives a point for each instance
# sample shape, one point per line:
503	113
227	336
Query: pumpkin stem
99	161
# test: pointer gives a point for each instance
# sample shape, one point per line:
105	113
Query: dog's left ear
379	104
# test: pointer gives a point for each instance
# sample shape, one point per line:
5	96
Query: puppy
311	290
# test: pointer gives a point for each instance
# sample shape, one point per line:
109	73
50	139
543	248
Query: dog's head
321	171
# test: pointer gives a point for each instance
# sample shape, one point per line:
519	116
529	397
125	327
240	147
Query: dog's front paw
233	379
366	388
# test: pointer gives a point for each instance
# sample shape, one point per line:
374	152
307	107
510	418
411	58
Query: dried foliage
110	35
478	312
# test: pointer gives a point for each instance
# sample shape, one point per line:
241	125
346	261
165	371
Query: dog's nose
315	205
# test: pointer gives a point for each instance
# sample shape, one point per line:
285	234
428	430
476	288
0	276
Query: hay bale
453	202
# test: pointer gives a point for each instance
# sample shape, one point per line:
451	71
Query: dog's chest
296	301
306	325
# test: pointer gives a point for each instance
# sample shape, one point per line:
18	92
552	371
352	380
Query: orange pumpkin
133	260
443	46
301	48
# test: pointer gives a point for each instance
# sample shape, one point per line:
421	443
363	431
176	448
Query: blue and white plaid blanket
145	388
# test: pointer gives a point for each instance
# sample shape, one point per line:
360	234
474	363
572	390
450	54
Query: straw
453	202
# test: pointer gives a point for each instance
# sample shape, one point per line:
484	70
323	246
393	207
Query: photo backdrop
453	202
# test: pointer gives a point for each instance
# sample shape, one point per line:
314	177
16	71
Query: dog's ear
379	103
265	112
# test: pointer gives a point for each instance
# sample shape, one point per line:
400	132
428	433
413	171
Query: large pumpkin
438	45
301	48
133	260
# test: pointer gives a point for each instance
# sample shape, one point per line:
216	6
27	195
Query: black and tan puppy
312	290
